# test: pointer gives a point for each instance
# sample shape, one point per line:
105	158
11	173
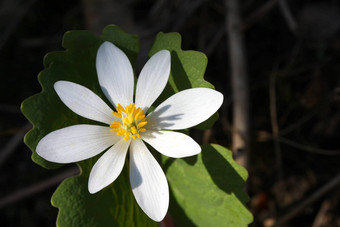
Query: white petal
152	79
108	167
172	144
75	143
115	74
185	109
148	181
83	101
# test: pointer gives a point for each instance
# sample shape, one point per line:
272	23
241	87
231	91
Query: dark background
305	63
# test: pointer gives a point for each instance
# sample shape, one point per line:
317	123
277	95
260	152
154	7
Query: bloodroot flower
129	127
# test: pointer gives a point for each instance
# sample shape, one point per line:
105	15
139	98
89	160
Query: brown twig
13	109
320	217
12	144
186	10
99	13
298	123
275	125
36	188
287	15
257	14
13	15
239	81
312	198
308	148
323	217
215	41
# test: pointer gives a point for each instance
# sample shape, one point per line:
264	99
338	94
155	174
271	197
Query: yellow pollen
131	122
142	123
117	114
133	130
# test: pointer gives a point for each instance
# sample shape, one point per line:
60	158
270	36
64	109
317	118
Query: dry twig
239	81
288	16
320	217
215	41
12	144
275	125
258	14
11	15
308	148
312	198
323	217
12	109
36	188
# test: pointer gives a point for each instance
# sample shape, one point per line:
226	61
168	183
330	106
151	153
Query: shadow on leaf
181	219
178	73
223	173
191	160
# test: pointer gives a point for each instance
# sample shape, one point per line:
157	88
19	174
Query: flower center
132	121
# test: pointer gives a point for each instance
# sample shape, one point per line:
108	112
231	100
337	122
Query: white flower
128	127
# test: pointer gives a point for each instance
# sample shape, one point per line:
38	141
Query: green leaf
114	205
187	69
208	189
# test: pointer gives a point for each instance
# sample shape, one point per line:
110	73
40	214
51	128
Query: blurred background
276	61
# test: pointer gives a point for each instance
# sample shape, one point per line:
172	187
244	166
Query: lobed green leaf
208	189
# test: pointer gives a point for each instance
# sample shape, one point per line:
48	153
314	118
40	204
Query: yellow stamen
120	109
142	123
130	119
131	122
116	124
127	136
133	130
137	115
117	114
121	131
